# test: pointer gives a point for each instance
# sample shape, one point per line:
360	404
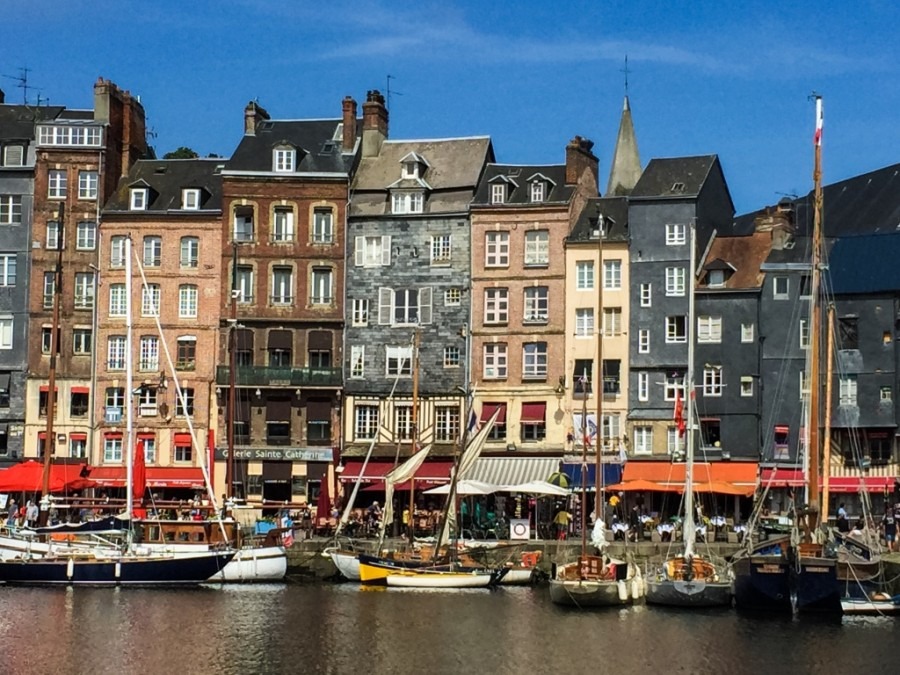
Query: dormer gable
285	158
539	187
500	189
718	272
140	195
413	166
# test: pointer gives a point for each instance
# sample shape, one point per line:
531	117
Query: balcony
262	376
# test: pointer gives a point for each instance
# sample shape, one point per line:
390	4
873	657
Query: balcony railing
263	376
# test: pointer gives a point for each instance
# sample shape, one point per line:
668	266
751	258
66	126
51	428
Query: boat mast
598	474
584	444
414	423
51	380
690	533
232	378
826	449
129	383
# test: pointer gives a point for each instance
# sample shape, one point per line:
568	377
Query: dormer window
498	193
407	202
410	170
190	199
537	191
716	278
413	167
13	155
284	159
138	199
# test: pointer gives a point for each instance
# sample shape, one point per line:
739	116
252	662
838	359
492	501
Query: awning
182	439
320	339
612	473
157	477
488	410
28	477
782	478
533	412
859	483
430	473
81	390
782	429
740	477
281	339
512	470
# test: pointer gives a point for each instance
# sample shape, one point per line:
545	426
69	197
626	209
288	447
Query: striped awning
513	470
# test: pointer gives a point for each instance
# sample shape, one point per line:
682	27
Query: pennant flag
820	120
679	413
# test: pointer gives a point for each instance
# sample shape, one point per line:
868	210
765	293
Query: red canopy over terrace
186	477
430	474
29	477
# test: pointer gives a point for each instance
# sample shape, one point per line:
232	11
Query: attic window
678	187
410	169
283	158
338	132
716	278
498	193
138	199
538	190
159	170
266	125
13	155
190	199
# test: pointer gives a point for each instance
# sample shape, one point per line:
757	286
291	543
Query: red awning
157	476
45	388
81	390
488	409
182	439
782	478
28	477
76	436
534	412
856	484
782	429
430	473
728	477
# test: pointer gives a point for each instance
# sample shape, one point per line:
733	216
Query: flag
287	537
820	120
679	413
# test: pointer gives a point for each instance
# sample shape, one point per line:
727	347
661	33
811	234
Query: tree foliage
181	153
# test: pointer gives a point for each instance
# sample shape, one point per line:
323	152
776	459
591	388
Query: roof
744	255
865	264
625	167
519	177
17	121
675	177
615	212
318	151
166	178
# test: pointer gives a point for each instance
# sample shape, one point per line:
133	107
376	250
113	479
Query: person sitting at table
634	523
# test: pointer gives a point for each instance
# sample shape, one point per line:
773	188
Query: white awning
513	470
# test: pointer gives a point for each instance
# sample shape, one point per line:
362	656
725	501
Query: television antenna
388	91
22	83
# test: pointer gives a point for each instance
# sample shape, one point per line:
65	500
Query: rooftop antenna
625	71
388	91
22	79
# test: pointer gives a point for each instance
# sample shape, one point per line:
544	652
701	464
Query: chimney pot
579	156
349	124
375	123
253	114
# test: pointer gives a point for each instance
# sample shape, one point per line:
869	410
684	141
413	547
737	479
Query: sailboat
690	579
595	580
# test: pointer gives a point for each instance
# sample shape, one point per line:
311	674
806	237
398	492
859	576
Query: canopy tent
29	477
464	488
536	487
734	478
513	470
430	473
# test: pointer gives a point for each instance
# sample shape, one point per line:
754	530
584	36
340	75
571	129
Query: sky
704	77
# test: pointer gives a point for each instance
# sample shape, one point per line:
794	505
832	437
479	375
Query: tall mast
598	446
689	530
232	378
129	382
813	445
414	422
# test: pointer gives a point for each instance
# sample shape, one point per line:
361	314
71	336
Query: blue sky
730	78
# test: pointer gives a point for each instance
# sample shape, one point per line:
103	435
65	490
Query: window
673	384
747	332
496	305
407	202
321	289
49	290
675	281
82	341
446	424
583	378
138	199
77	446
848	332
150	294
848	390
115	352
243	223
8	264
323	226
451	357
87	185
402	422
187	301
281	349
115	398
805	282
10	209
804	334
152	251
584	275
70	135
399	361
675	234
712	381
646	295
112	448
184	450
804	385
676	329
643	341
612	275
453	297
190	252
498	193
496	249
283	159
54	242
643	386
149	353
184	404
6	332
13	155
186	353
533	429
190	199
709	329
610	431
885	395
365	422
441	249
244	284
746	385
318	358
282	225
538	188
86	236
57	181
282	286
372	251
357	361
117	251
495	361
44	402
643	440
537	248
318	420
612	369
117	300
780	288
360	316
584	322
46	337
716	278
536	304
149	441
534	360
612	321
84	290
79	403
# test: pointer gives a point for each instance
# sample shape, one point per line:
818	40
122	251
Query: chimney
349	139
253	114
778	221
375	123
578	158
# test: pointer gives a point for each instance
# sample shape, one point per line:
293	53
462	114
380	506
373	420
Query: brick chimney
349	124
253	114
375	123
578	158
126	132
778	221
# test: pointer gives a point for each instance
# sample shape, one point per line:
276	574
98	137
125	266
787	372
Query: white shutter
425	305
359	251
386	250
385	306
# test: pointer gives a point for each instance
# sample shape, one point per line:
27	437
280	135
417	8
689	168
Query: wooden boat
429	578
596	581
762	578
878	605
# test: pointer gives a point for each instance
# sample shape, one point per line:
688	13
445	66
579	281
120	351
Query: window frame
612	275
496	249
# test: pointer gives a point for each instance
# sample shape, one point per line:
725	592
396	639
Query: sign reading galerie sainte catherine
279	454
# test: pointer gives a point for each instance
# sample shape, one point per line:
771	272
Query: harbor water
347	628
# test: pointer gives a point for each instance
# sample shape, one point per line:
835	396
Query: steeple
625	168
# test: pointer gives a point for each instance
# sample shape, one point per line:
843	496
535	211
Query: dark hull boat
816	582
762	583
94	570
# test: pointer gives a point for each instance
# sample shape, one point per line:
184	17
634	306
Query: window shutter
359	251
385	306
386	250
425	305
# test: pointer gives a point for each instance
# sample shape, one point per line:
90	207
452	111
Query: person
12	514
32	512
634	523
404	519
889	528
843	524
373	516
561	520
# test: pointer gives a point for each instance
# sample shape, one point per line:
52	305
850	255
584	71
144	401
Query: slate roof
317	149
744	255
865	264
518	177
166	178
615	209
17	121
660	177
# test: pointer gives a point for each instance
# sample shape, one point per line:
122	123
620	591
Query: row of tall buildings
328	288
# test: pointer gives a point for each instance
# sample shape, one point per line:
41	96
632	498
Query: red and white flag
679	413
820	119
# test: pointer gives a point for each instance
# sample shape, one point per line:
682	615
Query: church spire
625	168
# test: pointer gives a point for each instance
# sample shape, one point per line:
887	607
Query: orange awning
735	477
639	485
